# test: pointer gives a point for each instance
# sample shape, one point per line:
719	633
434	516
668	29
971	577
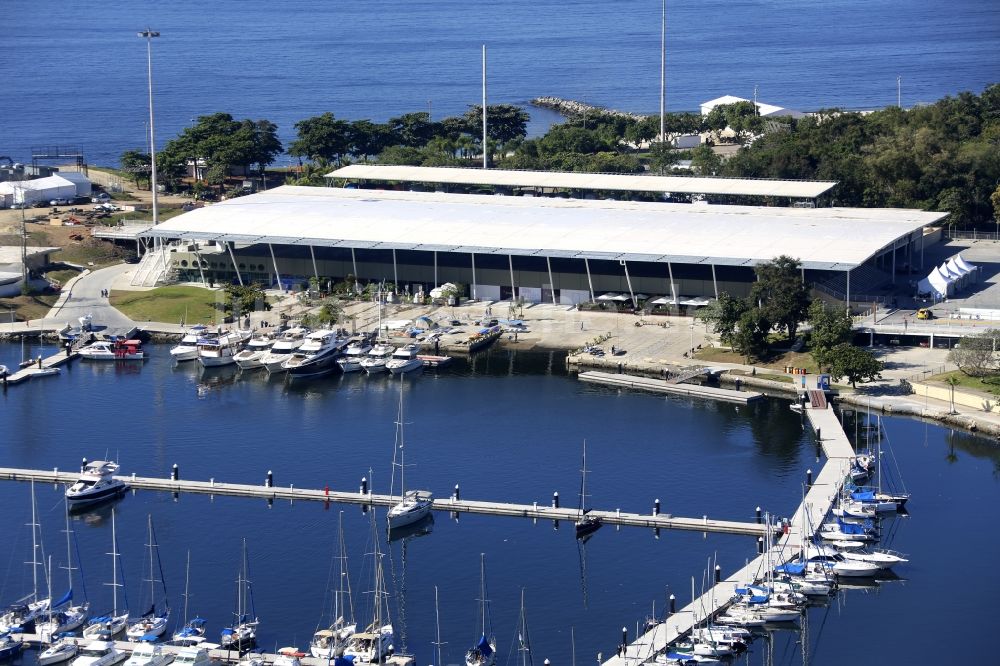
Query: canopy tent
943	279
962	263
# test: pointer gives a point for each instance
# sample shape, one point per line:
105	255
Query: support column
803	275
586	264
922	242
232	257
673	290
475	297
628	281
395	272
715	284
894	262
316	270
848	292
552	284
436	283
277	275
513	288
354	262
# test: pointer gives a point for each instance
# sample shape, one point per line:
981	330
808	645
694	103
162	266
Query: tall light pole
485	154
663	70
899	92
148	35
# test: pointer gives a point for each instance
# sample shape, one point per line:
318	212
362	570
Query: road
85	298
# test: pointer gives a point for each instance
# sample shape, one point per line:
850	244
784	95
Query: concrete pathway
85	298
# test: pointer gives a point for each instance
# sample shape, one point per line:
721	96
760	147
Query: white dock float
666	386
542	511
804	523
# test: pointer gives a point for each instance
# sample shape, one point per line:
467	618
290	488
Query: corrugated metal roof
821	238
799	189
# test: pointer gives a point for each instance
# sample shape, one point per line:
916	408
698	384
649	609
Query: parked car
103	197
925	313
60	202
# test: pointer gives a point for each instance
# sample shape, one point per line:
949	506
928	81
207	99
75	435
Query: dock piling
760	545
175	473
457	496
269	483
809	478
364	485
555	500
673	604
83	465
718	573
656	506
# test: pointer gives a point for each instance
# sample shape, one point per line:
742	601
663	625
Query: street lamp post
148	35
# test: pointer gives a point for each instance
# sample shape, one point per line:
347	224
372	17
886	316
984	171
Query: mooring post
458	495
673	604
809	477
269	483
758	515
175	473
718	573
555	500
760	545
656	507
364	485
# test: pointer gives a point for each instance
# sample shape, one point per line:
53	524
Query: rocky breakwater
571	108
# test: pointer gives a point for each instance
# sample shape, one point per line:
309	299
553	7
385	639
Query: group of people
105	293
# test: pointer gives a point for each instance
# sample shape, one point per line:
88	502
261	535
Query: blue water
75	72
504	427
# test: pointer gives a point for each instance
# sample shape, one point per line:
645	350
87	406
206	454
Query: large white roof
822	238
803	189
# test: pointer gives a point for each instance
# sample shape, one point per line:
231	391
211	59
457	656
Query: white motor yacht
883	559
404	360
149	654
317	355
99	653
283	348
96	483
192	656
252	357
355	353
377	357
187	348
217	352
119	350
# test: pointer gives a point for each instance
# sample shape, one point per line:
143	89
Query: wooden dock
535	510
804	523
53	361
667	386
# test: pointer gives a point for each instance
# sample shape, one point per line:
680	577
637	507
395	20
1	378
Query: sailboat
63	616
152	624
106	627
484	653
243	634
193	631
523	641
21	616
413	505
879	499
586	524
374	644
331	642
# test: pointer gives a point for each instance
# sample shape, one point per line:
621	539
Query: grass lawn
989	385
27	307
169	304
776	362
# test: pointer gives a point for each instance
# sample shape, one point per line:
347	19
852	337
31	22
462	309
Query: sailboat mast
482	590
152	576
69	553
114	566
437	624
34	544
187	582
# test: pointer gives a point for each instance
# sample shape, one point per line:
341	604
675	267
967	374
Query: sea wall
571	108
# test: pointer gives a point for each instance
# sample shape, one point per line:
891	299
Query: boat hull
99	495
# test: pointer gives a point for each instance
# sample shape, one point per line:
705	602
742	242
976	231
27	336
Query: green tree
366	138
976	355
781	293
705	160
830	327
504	122
241	300
661	157
411	129
321	137
723	315
854	363
136	164
995	200
750	340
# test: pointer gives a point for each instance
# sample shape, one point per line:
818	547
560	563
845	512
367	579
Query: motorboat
10	646
354	354
837	563
63	648
149	654
252	356
187	348
95	484
883	559
192	656
220	351
283	348
288	656
99	653
377	357
118	350
317	355
404	360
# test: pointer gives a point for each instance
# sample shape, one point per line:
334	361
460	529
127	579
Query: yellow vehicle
925	313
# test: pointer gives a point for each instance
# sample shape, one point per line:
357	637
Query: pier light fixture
148	35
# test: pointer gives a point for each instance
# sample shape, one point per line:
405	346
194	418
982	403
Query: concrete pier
270	492
53	361
803	525
671	387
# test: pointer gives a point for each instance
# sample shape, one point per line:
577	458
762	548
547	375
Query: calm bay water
505	427
75	72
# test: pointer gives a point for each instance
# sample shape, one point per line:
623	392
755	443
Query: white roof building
62	186
765	110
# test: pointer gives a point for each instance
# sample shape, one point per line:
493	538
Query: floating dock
667	386
26	373
804	523
453	504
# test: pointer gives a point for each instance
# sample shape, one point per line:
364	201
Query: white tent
39	189
962	263
935	284
954	268
953	276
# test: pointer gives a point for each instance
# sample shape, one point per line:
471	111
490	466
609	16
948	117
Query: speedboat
96	483
99	653
149	654
217	352
63	649
377	357
883	559
252	357
354	355
837	563
317	355
404	360
187	348
119	350
415	505
283	348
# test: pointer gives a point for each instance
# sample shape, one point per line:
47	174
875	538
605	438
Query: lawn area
34	306
776	362
170	304
989	385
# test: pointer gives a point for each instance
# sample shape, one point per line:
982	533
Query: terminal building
542	248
